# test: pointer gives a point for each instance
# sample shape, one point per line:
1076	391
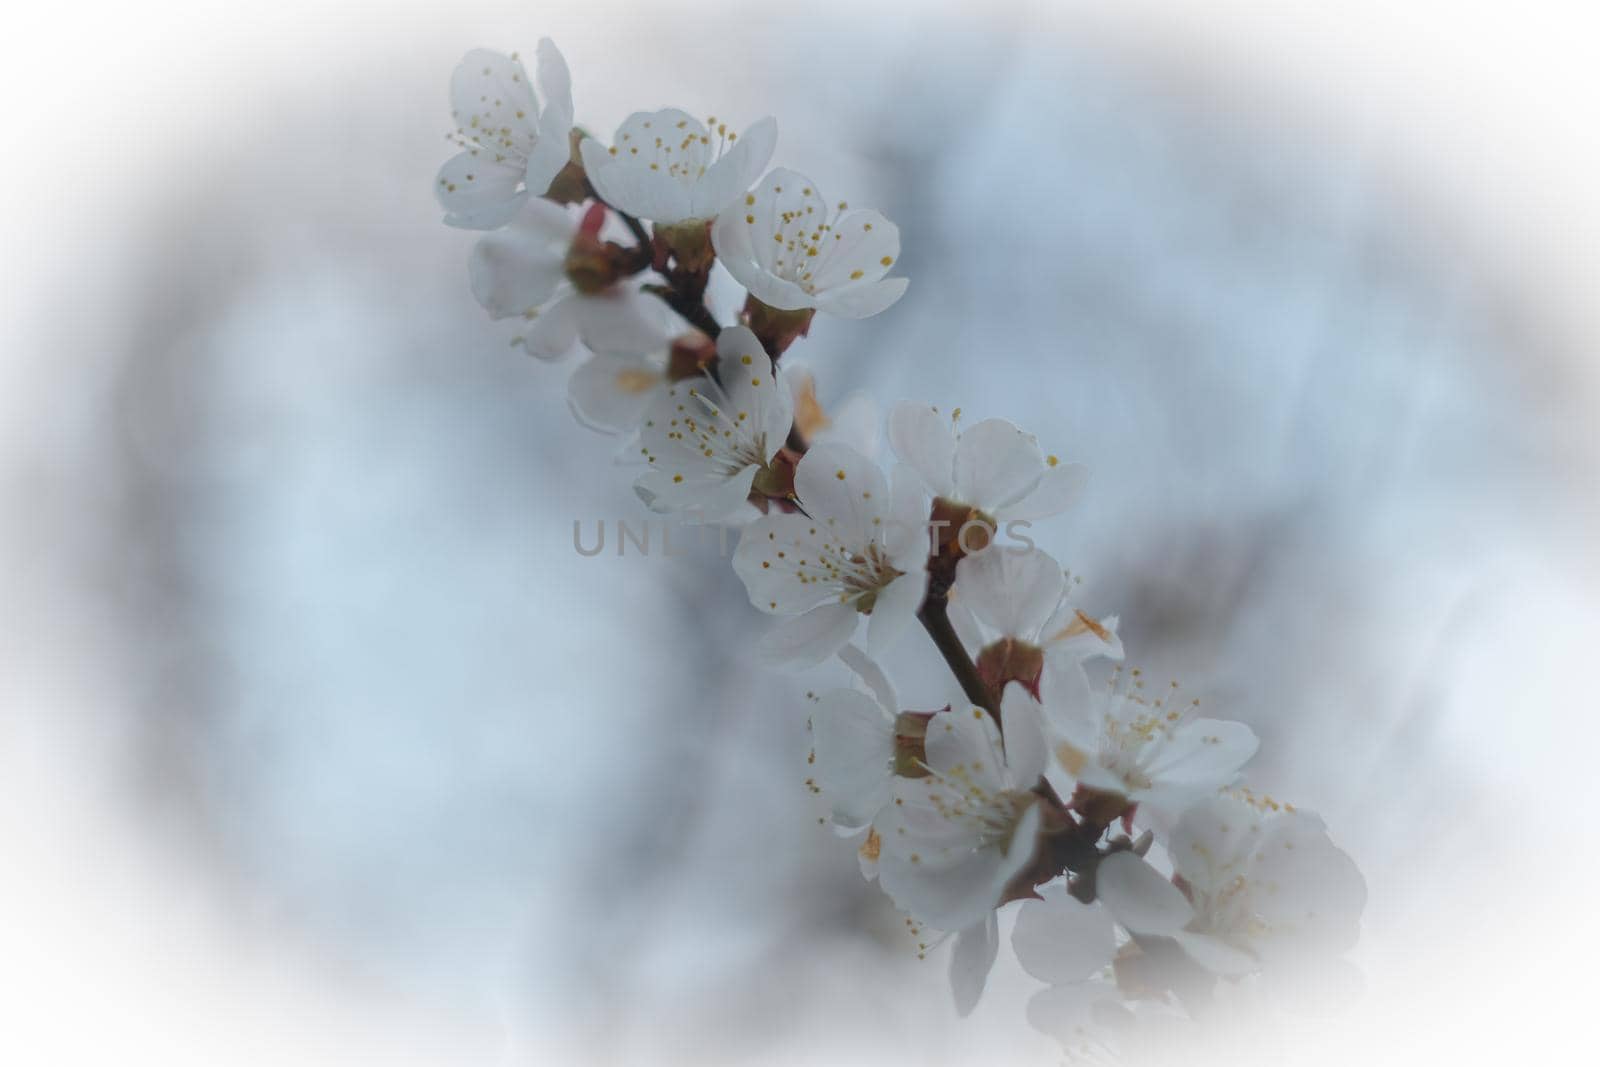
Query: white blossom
953	841
1021	595
785	244
1263	886
1153	750
992	466
520	271
857	549
512	145
665	166
705	443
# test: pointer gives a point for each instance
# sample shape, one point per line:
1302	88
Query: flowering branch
957	818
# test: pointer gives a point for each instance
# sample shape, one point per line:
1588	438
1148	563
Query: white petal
731	236
1059	939
489	94
811	638
843	491
754	386
514	270
862	247
1204	754
862	300
555	83
623	321
853	739
611	393
633	188
872	676
775	552
1013	590
855	422
964	745
699	494
959	893
905	536
1065	1012
479	193
922	437
894	609
1027	752
783	205
1139	897
1057	490
735	172
550	153
996	465
553	333
970	961
1072	635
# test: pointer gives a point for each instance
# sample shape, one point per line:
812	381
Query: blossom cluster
1104	810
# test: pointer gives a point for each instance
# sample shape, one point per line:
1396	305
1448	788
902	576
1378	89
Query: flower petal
479	192
1204	754
1139	897
514	270
843	491
555	84
554	331
702	494
811	638
492	102
971	960
894	609
1058	489
1013	590
853	739
633	188
612	393
996	464
862	299
776	559
624	321
862	246
1058	939
924	438
735	172
755	386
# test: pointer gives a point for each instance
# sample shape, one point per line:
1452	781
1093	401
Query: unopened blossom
793	250
513	142
954	839
855	549
1012	607
533	269
668	167
1262	887
706	443
991	468
1150	748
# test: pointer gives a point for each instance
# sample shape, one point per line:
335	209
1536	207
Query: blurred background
320	743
